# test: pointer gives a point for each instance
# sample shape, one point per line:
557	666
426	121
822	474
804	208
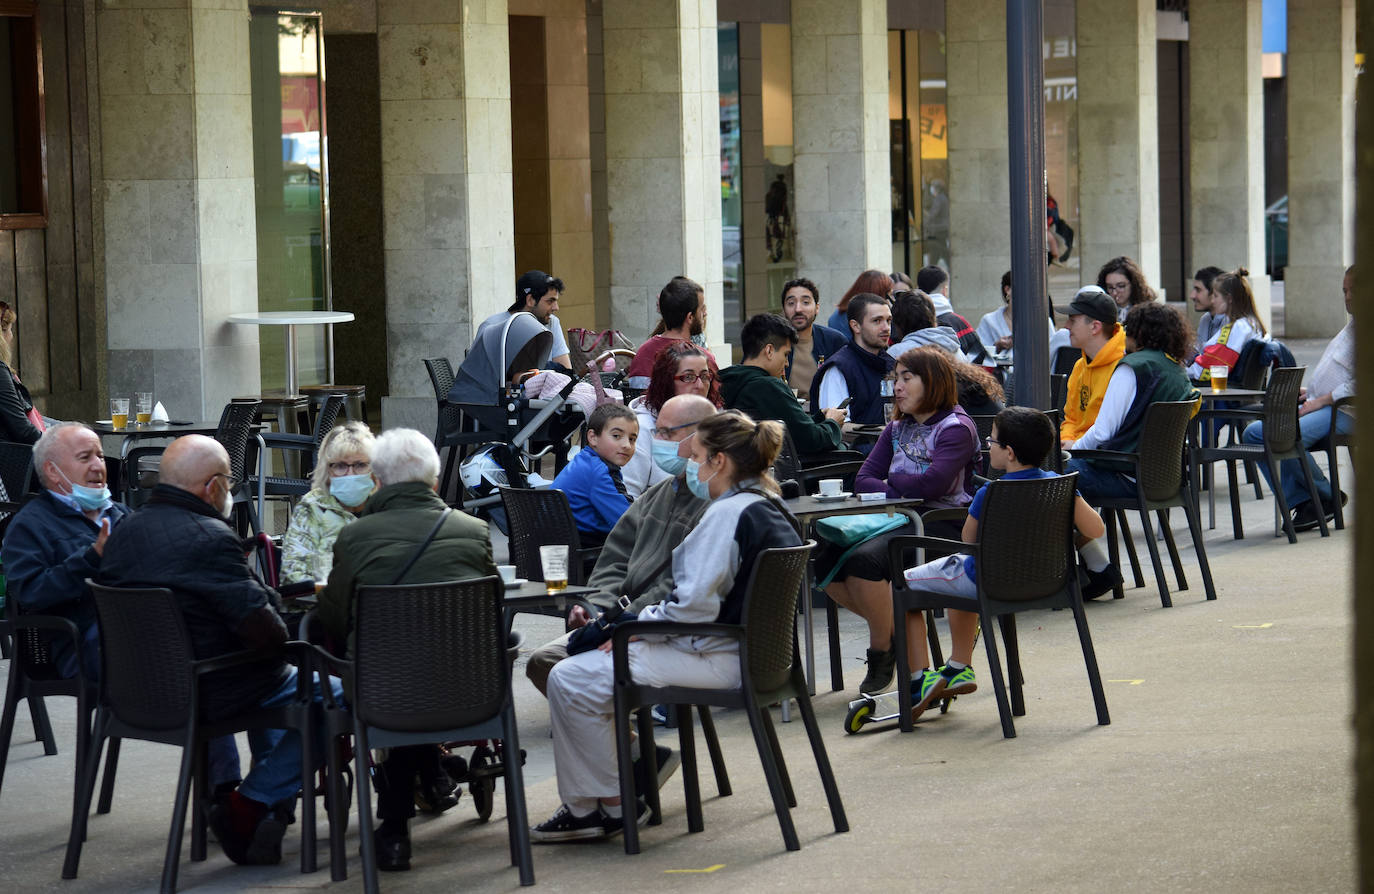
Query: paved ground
1225	768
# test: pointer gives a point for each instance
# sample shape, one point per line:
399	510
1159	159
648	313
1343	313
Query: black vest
864	372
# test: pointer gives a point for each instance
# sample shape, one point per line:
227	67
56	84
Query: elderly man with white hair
393	524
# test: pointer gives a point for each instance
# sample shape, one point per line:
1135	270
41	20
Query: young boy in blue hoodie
1021	439
596	493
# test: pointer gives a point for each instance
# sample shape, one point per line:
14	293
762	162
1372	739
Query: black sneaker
436	796
882	664
393	850
614	825
264	848
668	761
563	826
1305	516
1101	582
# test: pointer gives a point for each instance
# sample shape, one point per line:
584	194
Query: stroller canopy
502	349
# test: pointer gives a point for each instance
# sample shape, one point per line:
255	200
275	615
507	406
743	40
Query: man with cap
537	292
1093	329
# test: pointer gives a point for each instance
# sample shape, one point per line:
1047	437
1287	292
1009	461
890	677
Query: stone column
839	122
1118	135
1226	140
980	205
446	187
662	156
179	221
1321	164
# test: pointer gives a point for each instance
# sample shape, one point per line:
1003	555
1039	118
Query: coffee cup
507	572
831	487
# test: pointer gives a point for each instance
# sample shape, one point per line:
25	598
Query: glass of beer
1218	375
143	407
554	561
119	412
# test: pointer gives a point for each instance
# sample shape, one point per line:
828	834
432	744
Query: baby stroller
497	411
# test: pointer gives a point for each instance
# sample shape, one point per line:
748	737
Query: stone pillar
178	213
1118	135
839	123
1226	140
662	156
979	197
446	187
1321	164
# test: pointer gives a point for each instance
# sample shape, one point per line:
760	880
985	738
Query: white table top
292	317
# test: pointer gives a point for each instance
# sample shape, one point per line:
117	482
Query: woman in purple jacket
927	451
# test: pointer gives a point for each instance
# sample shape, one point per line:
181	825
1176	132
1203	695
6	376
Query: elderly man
379	548
57	540
181	541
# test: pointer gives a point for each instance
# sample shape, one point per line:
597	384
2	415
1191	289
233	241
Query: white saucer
516	583
833	498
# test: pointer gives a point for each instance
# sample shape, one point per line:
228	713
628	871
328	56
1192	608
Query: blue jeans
1098	482
276	772
1312	428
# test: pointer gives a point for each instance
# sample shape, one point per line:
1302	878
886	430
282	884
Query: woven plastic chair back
770	613
32	652
430	656
1024	538
328	416
145	657
1161	448
787	466
16	469
441	376
540	517
1249	371
1064	360
1281	408
235	428
984	426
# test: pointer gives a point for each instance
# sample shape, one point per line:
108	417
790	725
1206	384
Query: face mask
666	458
351	490
88	498
695	484
226	505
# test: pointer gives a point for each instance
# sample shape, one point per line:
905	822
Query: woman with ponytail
1230	296
730	468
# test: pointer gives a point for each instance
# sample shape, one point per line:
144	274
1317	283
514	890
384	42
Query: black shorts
870	561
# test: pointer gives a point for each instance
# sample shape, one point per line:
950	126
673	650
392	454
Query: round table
291	319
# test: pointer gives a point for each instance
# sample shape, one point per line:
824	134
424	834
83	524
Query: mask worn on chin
88	498
351	490
695	484
666	458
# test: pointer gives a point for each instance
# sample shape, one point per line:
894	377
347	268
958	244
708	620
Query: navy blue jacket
864	373
824	343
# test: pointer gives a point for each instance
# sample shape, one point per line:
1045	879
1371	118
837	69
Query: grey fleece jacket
937	336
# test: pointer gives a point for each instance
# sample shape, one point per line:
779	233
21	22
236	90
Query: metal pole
1026	135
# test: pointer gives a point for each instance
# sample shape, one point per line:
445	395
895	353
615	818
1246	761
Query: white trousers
582	709
945	576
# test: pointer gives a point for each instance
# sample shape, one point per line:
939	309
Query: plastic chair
449	429
450	637
788	467
541	517
1162	481
1064	360
16	478
770	671
306	445
1020	567
1281	441
150	690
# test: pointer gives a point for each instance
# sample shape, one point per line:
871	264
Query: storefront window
731	169
919	149
23	193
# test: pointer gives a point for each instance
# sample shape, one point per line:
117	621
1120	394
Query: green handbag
852	530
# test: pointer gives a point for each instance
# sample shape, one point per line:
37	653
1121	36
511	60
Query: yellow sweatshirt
1088	385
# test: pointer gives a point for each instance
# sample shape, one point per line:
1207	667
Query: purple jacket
933	460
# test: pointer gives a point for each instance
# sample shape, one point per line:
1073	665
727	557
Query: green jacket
373	550
762	396
637	559
307	549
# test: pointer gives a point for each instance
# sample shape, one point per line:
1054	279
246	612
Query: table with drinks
552	595
1212	391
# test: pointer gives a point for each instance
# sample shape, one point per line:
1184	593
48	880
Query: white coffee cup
507	572
831	487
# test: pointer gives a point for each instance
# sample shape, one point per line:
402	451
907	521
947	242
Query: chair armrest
234	659
53	623
620	638
945	515
831	470
1114	458
1348	401
280	441
1229	413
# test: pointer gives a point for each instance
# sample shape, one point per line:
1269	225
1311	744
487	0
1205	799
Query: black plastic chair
150	690
1329	445
770	670
307	446
1065	359
1162	481
1281	441
541	517
430	665
788	466
16	480
449	431
1021	567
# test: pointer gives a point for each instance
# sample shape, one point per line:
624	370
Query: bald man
181	541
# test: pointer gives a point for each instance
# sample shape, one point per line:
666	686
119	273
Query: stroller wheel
482	783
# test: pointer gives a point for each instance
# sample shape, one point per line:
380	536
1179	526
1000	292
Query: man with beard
815	342
682	305
537	292
857	370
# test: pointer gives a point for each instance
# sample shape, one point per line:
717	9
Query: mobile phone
844	403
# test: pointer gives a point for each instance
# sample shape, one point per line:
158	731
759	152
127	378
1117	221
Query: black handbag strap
415	557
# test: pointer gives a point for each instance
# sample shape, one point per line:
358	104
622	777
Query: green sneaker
943	687
921	687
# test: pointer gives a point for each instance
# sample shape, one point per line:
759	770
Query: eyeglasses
1118	287
690	378
663	433
991	441
228	479
362	467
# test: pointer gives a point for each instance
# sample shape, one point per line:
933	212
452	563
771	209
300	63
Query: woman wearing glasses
1122	279
341	483
679	368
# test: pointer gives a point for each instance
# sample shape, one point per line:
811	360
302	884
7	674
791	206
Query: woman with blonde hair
732	456
340	485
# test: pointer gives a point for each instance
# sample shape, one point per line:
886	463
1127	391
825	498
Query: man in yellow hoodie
1094	330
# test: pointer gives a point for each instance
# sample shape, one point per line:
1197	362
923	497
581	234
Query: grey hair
350	437
43	448
404	454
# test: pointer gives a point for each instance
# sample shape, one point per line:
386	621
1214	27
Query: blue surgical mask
695	484
666	458
88	498
351	490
